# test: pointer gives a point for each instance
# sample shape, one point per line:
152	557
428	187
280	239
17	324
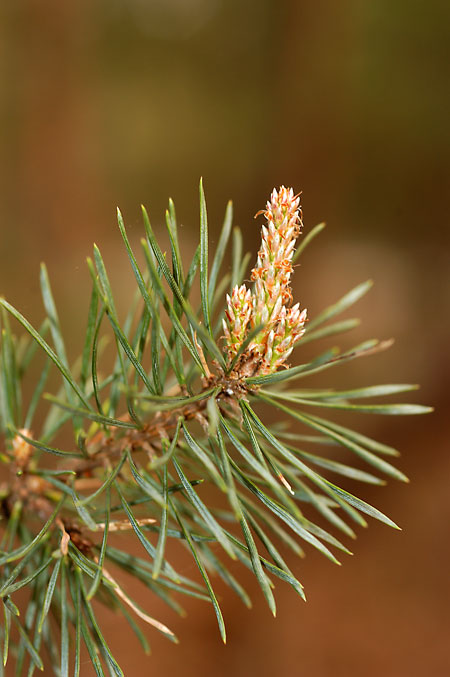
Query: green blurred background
128	101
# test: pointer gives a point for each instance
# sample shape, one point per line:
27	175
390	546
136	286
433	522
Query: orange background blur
129	101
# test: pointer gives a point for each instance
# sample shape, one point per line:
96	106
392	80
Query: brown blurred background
129	101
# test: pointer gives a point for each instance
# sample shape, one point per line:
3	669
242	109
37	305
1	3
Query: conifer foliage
184	404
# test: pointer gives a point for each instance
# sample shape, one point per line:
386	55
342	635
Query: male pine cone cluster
269	304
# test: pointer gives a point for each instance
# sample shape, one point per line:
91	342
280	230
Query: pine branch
179	409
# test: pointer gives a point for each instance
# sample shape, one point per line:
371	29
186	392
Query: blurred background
118	102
